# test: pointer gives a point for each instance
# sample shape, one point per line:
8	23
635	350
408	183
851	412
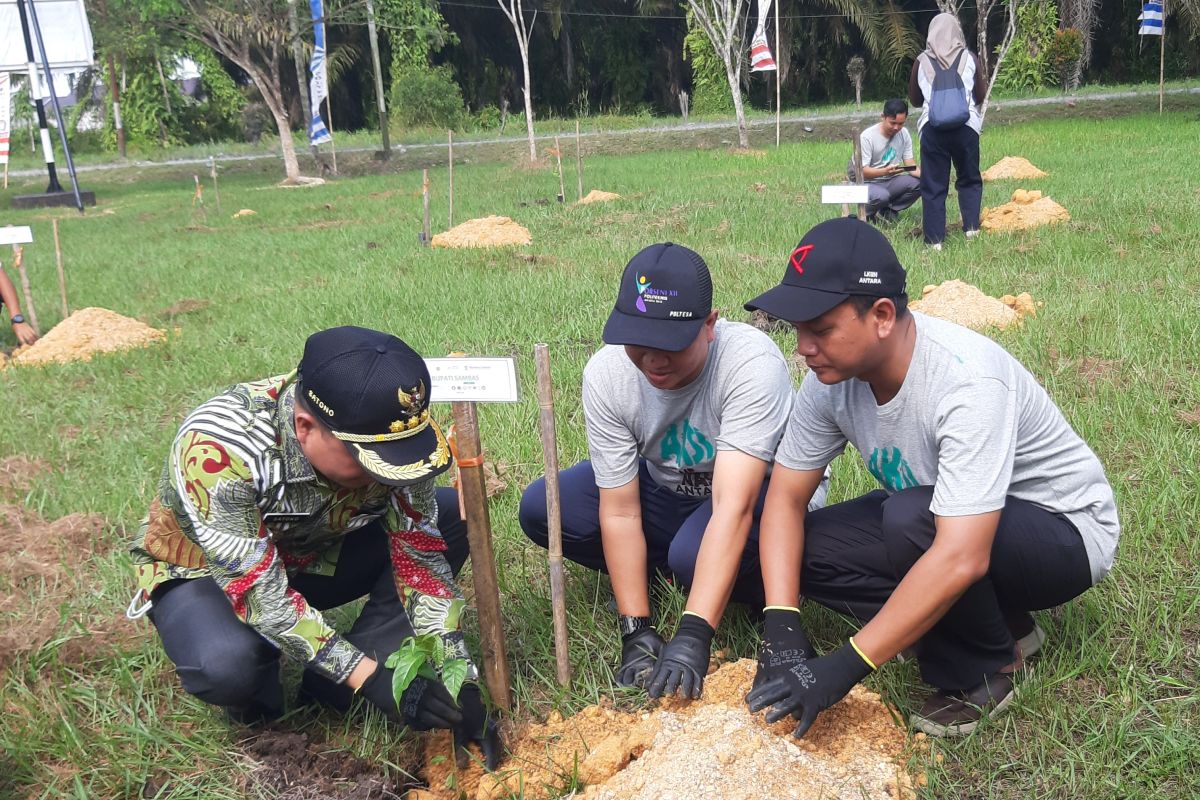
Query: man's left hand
809	687
683	662
477	727
24	333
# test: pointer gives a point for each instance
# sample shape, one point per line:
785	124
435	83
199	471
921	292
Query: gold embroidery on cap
412	400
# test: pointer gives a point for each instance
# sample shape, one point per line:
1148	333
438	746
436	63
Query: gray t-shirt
740	402
878	151
970	421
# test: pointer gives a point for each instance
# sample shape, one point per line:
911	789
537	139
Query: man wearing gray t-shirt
991	505
893	177
683	413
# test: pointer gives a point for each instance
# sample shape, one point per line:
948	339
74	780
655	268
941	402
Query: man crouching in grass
991	506
295	494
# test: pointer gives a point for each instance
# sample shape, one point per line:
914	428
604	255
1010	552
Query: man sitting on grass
886	149
991	506
683	413
299	493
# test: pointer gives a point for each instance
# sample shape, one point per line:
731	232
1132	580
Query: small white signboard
851	193
16	234
476	380
65	31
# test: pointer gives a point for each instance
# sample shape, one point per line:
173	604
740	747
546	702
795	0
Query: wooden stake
1162	55
778	72
30	311
483	561
858	174
450	161
558	596
332	143
62	276
5	174
562	190
425	240
578	163
212	170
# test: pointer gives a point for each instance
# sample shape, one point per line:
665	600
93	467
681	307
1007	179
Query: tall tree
724	23
516	17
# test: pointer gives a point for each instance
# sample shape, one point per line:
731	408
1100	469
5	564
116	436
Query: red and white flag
5	115
760	51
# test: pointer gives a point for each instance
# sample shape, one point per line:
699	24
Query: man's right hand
784	644
424	705
639	654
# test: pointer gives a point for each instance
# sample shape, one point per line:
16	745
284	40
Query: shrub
1027	66
1064	53
428	96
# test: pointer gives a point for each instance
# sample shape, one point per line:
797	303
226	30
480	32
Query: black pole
62	128
47	148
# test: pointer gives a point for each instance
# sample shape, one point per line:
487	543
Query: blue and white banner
318	84
1151	19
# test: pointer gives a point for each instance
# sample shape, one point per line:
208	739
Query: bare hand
25	333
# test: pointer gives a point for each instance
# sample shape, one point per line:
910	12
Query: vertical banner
760	51
1151	19
318	85
5	115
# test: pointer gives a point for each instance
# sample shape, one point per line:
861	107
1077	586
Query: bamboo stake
483	561
578	162
30	311
212	170
562	190
778	71
858	175
425	240
558	597
332	143
1162	55
5	174
450	161
62	276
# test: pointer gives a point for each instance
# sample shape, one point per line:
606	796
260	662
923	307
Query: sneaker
958	713
887	216
971	234
1028	635
935	246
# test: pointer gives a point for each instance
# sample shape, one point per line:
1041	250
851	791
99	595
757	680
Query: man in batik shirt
295	494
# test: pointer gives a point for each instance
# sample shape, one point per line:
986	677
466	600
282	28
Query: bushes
427	96
1028	65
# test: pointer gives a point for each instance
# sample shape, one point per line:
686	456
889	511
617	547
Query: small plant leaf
454	673
437	760
408	664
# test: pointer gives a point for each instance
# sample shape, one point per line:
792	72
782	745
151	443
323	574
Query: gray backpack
948	107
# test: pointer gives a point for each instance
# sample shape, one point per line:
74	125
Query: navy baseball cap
371	390
836	260
664	299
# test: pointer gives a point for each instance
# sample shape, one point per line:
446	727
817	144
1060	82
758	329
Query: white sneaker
936	246
972	234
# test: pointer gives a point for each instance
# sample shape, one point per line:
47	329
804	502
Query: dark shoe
1025	631
958	713
887	216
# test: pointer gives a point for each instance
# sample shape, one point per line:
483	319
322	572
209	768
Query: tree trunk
981	36
118	124
528	101
291	167
298	62
739	111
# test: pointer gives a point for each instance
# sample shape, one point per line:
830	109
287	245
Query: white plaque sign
845	193
65	31
16	234
475	380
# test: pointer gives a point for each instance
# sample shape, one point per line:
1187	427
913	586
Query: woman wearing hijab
941	146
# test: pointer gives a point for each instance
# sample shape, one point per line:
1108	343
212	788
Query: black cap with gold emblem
372	391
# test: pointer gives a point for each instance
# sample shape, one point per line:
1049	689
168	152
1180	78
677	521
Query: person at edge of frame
683	411
8	297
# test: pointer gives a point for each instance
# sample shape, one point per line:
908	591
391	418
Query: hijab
944	41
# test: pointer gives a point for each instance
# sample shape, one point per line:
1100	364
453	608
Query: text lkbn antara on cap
371	390
664	298
836	260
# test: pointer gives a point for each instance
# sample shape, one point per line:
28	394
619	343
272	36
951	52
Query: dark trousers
940	149
896	193
673	524
223	661
856	553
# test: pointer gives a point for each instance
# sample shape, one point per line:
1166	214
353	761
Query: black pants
223	661
939	149
856	553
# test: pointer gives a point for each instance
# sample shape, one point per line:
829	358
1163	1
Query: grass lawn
1109	709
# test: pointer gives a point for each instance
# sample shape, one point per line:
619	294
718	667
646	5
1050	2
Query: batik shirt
239	502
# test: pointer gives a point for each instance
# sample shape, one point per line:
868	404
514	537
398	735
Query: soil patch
1094	370
484	232
1012	168
83	334
290	766
1192	416
714	748
18	474
1027	209
966	305
597	196
186	306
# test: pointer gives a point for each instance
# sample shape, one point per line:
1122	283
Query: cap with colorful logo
836	260
371	390
664	299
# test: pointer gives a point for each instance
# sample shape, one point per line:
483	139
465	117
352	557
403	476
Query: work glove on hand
424	705
477	727
639	653
784	643
809	686
683	662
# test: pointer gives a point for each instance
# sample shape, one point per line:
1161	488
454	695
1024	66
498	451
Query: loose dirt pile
1012	168
1028	209
966	305
83	334
713	748
291	766
597	196
484	232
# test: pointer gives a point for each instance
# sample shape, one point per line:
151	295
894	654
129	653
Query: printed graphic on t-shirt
888	155
687	448
890	469
695	484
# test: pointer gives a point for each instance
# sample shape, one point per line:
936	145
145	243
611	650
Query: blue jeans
673	525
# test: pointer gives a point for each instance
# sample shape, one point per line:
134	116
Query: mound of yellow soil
484	232
711	748
965	305
83	334
1028	209
1012	168
597	196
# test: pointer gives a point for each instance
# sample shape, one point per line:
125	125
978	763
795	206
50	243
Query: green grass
1110	708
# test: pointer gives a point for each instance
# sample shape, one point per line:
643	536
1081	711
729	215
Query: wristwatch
17	319
630	625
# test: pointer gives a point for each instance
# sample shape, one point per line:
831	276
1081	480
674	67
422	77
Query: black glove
809	686
425	704
478	727
784	643
683	662
639	652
